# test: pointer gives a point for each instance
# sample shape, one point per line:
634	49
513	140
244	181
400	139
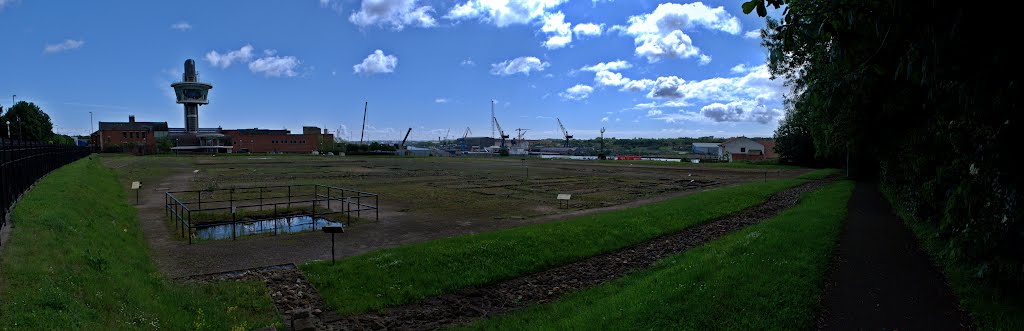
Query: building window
302	141
124	134
743	149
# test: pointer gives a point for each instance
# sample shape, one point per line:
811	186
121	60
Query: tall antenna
365	107
492	118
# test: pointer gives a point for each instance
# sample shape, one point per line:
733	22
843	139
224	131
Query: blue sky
637	68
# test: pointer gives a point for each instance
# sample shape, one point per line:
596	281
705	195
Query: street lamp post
8	129
90	123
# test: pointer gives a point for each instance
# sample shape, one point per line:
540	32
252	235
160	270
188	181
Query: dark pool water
291	224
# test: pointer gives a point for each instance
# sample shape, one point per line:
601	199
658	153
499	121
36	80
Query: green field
767	276
76	259
410	273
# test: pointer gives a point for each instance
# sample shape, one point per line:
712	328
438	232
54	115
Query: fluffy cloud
558	31
741	111
608	78
66	45
395	13
756	83
578	92
181	26
653	112
522	64
503	13
441	100
638	85
376	63
704	59
332	4
275	66
467	63
587	29
608	66
659	34
739	68
752	34
225	60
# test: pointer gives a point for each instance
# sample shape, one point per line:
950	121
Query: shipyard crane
465	145
564	132
500	131
402	146
519	137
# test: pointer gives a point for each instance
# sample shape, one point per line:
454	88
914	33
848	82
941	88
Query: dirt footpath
880	279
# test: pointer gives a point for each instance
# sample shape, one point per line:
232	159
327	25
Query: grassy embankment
409	273
990	307
76	259
767	276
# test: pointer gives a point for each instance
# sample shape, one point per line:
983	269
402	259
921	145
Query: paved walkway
880	279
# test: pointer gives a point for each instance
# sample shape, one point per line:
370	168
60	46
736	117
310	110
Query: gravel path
880	279
472	304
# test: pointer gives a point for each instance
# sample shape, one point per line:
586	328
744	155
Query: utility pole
90	124
492	118
602	140
365	107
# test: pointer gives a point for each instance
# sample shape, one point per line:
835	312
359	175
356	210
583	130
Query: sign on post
564	197
136	186
332	229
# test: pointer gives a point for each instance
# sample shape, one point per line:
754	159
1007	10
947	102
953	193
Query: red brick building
131	136
279	141
143	138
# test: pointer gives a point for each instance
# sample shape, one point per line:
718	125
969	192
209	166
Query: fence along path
24	162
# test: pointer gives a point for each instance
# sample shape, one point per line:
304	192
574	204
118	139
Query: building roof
769	147
735	139
263	131
705	145
136	126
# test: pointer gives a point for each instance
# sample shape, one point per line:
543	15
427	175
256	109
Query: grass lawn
990	307
409	273
767	276
820	174
686	163
76	259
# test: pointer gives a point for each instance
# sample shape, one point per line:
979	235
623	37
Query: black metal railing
24	162
197	209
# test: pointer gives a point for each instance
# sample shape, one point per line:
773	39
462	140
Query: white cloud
638	85
752	34
332	4
225	60
275	66
741	111
604	120
608	78
66	45
376	63
4	3
653	112
441	100
755	84
578	92
704	59
503	12
587	29
610	66
519	65
395	13
659	34
559	33
181	26
467	63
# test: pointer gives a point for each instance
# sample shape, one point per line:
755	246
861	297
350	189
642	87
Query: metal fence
199	209
24	162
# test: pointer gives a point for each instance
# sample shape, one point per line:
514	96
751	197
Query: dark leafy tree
920	95
28	122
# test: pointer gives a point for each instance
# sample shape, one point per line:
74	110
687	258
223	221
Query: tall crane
564	132
402	146
500	131
465	145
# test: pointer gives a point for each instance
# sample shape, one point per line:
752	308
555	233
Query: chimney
131	118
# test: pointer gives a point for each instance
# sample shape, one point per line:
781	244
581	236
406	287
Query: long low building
147	137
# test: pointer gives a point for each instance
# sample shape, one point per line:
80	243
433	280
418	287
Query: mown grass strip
767	276
820	174
76	260
990	307
409	273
